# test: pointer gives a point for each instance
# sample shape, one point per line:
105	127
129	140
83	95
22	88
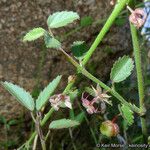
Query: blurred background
32	66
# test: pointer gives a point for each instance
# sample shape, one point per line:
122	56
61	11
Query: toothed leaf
86	21
51	42
121	69
79	49
127	114
47	92
60	19
63	123
34	34
20	94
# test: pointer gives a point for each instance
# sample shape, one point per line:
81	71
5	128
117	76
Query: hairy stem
137	55
103	85
99	38
46	118
117	9
39	131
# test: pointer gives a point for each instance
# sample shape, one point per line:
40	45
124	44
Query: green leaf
86	21
80	117
34	34
73	95
51	42
79	49
12	122
60	19
90	91
120	21
20	94
3	119
121	69
127	114
63	123
47	92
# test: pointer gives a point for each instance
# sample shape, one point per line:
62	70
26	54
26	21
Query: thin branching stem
137	56
103	85
39	131
98	39
117	9
35	142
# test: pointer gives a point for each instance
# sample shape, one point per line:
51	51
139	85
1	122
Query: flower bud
109	128
71	78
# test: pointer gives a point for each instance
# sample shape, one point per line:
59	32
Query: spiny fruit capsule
109	128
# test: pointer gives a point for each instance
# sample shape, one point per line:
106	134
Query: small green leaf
86	21
12	122
121	69
20	94
51	42
79	49
120	21
80	117
90	91
127	114
60	19
63	123
34	34
47	92
3	119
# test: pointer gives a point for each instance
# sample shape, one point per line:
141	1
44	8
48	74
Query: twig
35	142
71	136
137	55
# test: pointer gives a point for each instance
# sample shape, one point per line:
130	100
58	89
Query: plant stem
99	38
137	55
103	85
48	115
35	142
112	91
105	29
88	123
72	140
39	131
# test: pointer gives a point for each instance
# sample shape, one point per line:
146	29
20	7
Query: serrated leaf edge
52	26
39	97
64	119
117	62
24	38
4	84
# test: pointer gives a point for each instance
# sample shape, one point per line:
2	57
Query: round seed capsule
109	128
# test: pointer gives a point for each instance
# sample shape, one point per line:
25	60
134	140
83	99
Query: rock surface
19	62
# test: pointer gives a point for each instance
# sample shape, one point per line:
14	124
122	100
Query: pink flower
89	105
59	100
101	96
112	2
100	99
137	17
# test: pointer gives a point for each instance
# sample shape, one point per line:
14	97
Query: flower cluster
59	100
100	98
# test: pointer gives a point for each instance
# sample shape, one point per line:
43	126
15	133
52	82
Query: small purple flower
59	100
89	105
112	2
137	17
98	103
101	96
